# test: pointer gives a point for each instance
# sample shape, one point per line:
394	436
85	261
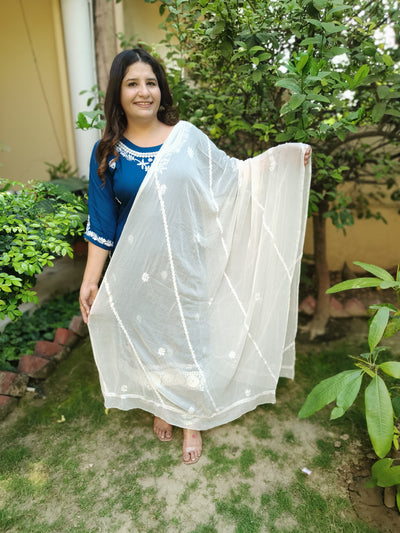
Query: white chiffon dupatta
196	317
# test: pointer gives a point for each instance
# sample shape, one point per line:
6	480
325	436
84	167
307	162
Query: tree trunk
106	42
317	326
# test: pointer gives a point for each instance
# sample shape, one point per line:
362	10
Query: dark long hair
116	122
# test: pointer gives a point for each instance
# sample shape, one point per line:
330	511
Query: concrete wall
34	99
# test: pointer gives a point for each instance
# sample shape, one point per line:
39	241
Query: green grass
106	472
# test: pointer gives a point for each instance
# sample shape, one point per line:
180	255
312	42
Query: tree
253	73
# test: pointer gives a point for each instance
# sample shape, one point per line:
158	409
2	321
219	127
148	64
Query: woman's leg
162	429
192	446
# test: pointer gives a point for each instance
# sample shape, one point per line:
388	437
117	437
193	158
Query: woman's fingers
307	155
86	299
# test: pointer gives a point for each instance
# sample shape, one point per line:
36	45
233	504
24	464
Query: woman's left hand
307	155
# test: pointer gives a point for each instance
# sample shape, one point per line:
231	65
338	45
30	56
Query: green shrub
381	396
37	223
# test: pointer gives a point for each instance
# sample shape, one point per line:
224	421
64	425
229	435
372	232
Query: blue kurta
111	202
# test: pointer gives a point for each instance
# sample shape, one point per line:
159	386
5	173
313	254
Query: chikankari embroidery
142	159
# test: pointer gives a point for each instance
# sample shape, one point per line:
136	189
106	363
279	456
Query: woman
181	327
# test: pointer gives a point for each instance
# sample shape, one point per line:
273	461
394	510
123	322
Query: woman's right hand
86	298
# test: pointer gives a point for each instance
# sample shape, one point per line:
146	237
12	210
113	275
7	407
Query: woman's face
140	93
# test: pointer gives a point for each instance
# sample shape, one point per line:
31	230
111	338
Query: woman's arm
90	284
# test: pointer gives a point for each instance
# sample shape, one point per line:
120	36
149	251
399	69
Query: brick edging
46	356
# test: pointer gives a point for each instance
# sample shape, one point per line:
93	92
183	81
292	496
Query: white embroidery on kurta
164	274
145	277
232	355
142	159
130	239
101	240
161	351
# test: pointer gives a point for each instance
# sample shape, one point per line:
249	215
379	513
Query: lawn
68	466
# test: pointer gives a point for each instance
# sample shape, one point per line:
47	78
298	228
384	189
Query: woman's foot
162	429
192	446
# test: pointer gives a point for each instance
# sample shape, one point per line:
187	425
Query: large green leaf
359	283
296	100
375	270
379	416
350	387
326	392
391	368
289	84
384	474
377	327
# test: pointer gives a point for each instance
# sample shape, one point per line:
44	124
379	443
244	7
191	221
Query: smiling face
140	93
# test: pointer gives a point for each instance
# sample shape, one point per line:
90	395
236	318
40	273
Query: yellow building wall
368	240
33	93
141	20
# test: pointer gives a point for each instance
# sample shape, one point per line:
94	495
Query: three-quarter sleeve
103	209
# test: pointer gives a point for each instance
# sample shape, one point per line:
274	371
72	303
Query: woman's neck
147	135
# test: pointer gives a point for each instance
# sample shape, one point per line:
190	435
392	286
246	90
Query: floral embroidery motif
145	277
161	351
124	388
232	355
142	159
172	377
97	238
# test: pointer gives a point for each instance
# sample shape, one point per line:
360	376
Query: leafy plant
382	404
66	178
37	224
20	337
93	118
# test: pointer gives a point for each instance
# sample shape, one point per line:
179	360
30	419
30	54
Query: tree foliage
253	73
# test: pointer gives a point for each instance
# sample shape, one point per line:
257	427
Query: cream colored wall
142	21
369	241
33	93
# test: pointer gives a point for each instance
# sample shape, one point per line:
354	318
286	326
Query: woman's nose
143	89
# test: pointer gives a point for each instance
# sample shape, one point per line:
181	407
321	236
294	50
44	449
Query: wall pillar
79	47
